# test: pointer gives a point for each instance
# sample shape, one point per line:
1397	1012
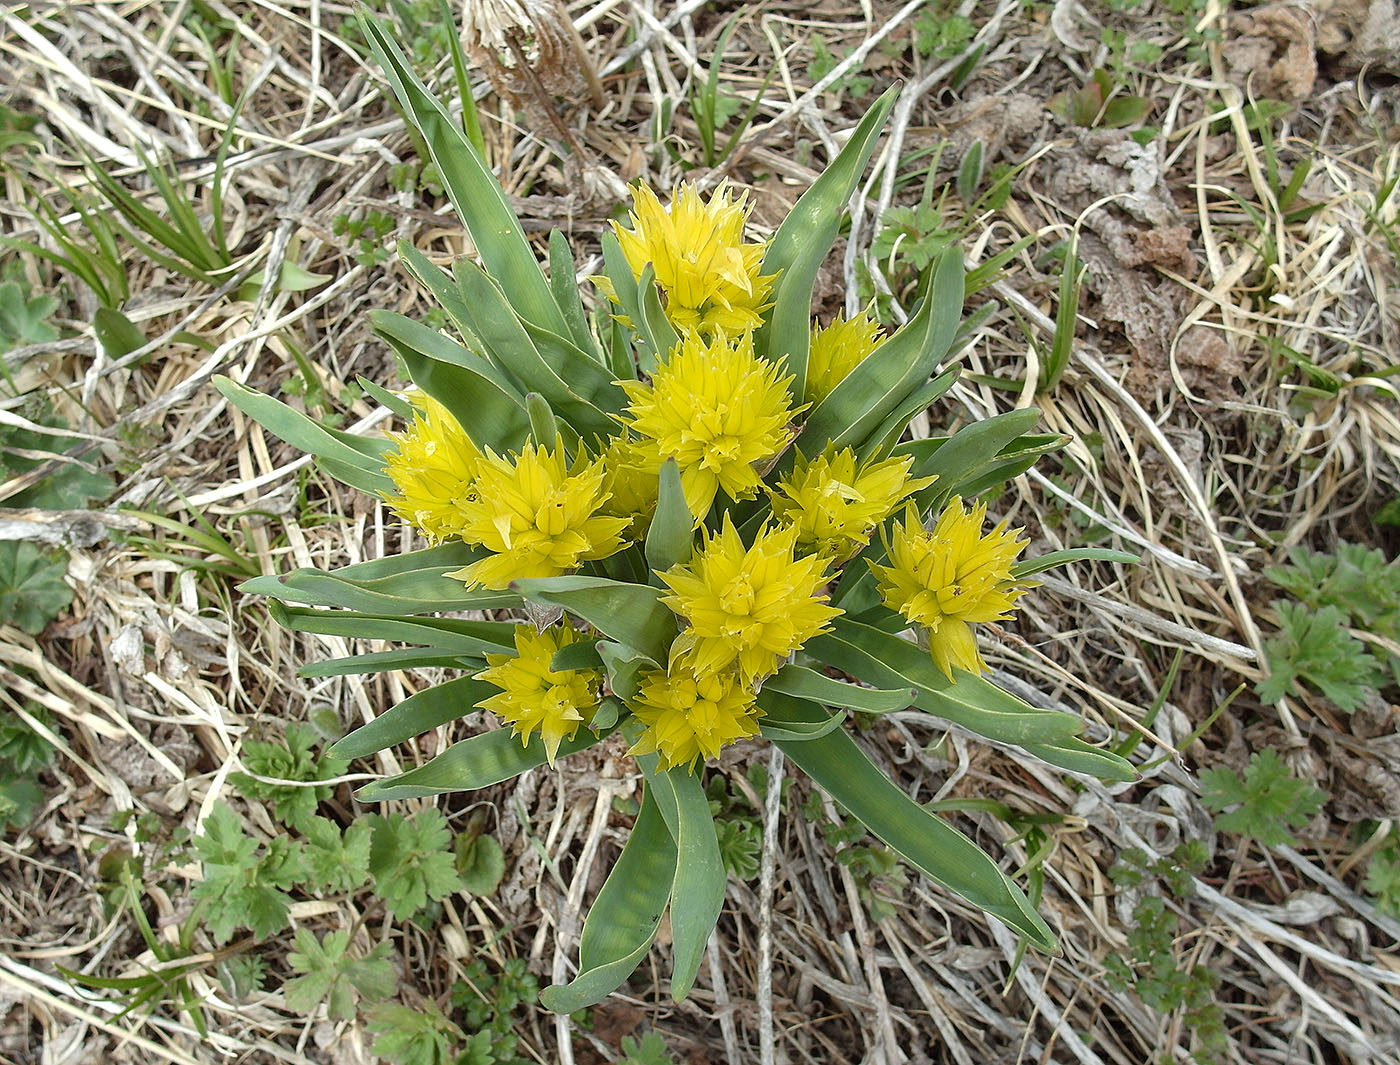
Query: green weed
1266	804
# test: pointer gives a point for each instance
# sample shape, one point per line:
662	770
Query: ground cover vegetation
1177	221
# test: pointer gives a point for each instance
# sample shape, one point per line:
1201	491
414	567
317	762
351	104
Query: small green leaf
1041	563
410	861
32	589
480	862
672	534
420	712
631	614
1268	802
803	683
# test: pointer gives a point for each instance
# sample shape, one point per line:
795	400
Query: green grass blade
925	840
564	285
414	716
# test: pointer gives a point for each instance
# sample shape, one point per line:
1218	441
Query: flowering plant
704	510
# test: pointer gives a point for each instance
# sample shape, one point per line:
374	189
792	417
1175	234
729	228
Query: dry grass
1197	442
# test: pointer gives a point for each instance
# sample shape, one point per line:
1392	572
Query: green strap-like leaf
800	245
803	683
970	700
672	534
475	763
564	284
859	405
1080	757
887	433
1042	563
382	661
632	614
415	592
624	666
486	405
700	878
925	840
366	456
443	556
622	923
964	453
444	634
473	189
414	716
447	294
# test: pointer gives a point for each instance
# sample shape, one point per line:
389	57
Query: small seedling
1266	804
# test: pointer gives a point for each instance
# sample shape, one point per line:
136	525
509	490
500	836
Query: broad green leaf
32	589
444	634
859	405
784	726
473	763
301	432
443	290
700	878
802	242
117	334
443	556
954	459
425	591
1080	757
564	284
887	434
414	716
672	534
382	661
1075	554
969	700
925	840
581	654
632	614
482	400
568	378
622	923
803	683
624	667
477	196
653	325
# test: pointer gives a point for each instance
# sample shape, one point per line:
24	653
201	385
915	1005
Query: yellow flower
539	517
834	506
711	278
535	698
836	351
719	411
433	466
631	469
951	578
689	717
748	608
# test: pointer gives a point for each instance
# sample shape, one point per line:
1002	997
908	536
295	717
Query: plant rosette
703	515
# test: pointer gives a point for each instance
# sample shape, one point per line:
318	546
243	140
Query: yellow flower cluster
725	416
949	579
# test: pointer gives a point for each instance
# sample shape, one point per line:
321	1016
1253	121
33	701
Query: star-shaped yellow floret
711	277
689	716
539	517
720	411
535	698
747	608
835	504
836	351
949	579
433	467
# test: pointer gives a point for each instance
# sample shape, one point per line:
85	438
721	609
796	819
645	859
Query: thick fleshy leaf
489	407
888	432
444	292
925	840
426	591
365	456
414	716
632	614
563	282
623	920
960	456
803	683
442	634
383	661
804	238
969	700
1041	563
480	202
700	878
859	405
443	556
672	534
580	654
1080	757
394	402
624	666
474	763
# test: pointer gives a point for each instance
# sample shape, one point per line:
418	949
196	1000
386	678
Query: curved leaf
924	839
382	661
672	534
624	917
803	683
1074	554
1080	757
444	634
414	716
414	592
632	614
474	763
